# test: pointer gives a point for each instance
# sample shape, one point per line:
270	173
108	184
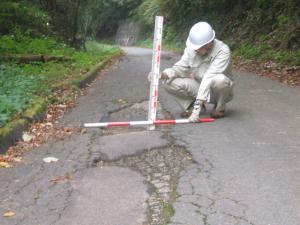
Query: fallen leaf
9	214
122	101
50	159
63	106
67	129
189	158
71	104
58	179
4	165
49	116
27	137
49	124
17	159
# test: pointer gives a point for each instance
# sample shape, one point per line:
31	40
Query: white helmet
200	34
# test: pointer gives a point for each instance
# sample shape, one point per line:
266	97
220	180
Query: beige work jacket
217	61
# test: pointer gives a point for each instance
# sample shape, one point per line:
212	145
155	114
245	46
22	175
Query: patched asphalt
243	169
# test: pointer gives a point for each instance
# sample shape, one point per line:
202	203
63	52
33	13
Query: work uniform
211	81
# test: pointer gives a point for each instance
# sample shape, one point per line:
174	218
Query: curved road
243	169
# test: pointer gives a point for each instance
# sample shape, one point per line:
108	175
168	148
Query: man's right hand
196	111
192	76
164	76
194	117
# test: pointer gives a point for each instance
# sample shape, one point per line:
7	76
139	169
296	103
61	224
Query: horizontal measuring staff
146	122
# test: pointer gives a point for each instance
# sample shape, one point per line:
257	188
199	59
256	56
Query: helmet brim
189	44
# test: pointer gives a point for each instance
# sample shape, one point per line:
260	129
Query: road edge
13	131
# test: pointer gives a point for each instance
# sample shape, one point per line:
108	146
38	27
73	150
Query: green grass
17	91
166	45
264	53
146	43
25	45
21	84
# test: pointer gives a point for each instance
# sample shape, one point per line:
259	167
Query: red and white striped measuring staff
158	30
146	122
153	99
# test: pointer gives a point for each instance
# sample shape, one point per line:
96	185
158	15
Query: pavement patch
120	190
118	145
161	168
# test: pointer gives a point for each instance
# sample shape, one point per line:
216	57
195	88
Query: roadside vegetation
46	46
21	83
34	61
262	30
264	35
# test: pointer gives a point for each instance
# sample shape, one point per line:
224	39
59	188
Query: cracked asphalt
243	169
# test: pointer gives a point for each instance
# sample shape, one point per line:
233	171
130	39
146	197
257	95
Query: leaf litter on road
41	132
9	214
58	179
4	165
289	75
50	159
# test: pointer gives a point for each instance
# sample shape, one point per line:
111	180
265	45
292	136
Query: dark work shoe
217	114
188	111
203	108
186	114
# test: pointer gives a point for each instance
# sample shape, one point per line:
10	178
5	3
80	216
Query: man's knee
222	82
182	87
171	87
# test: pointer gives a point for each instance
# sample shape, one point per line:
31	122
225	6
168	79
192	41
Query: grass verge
22	83
265	53
27	88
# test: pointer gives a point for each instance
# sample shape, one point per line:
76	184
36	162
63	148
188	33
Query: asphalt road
243	169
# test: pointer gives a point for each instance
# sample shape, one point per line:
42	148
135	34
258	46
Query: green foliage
263	29
146	43
77	20
18	17
172	36
12	45
267	53
246	21
20	84
147	11
187	11
107	14
17	91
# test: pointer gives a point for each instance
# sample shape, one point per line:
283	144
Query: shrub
21	18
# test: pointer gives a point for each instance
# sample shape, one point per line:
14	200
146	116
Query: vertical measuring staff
155	70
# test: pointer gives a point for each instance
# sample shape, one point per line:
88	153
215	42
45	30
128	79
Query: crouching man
202	75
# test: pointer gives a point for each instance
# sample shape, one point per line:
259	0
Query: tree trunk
74	42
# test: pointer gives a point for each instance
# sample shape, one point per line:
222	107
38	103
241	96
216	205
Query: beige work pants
185	91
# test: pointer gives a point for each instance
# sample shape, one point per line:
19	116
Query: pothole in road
161	168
